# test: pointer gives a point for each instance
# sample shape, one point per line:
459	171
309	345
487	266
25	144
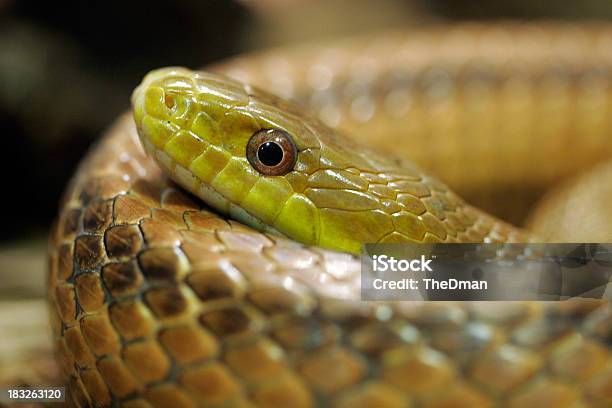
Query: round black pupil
270	154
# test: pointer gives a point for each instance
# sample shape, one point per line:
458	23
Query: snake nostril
169	101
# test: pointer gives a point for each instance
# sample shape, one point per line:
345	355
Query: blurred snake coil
248	296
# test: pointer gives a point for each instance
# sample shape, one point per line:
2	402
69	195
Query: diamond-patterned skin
157	301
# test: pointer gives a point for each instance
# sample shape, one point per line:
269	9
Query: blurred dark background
67	69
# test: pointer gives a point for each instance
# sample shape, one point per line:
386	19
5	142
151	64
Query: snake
206	251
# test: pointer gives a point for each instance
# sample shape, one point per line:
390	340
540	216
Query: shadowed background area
67	71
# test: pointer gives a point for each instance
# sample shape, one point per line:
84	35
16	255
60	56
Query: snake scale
158	300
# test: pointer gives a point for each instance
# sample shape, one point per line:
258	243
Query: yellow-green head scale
197	125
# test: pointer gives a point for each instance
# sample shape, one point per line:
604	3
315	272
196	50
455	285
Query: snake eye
271	152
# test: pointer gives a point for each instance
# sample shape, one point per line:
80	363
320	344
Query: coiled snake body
156	300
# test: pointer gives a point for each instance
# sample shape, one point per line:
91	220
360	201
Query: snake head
263	161
200	128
